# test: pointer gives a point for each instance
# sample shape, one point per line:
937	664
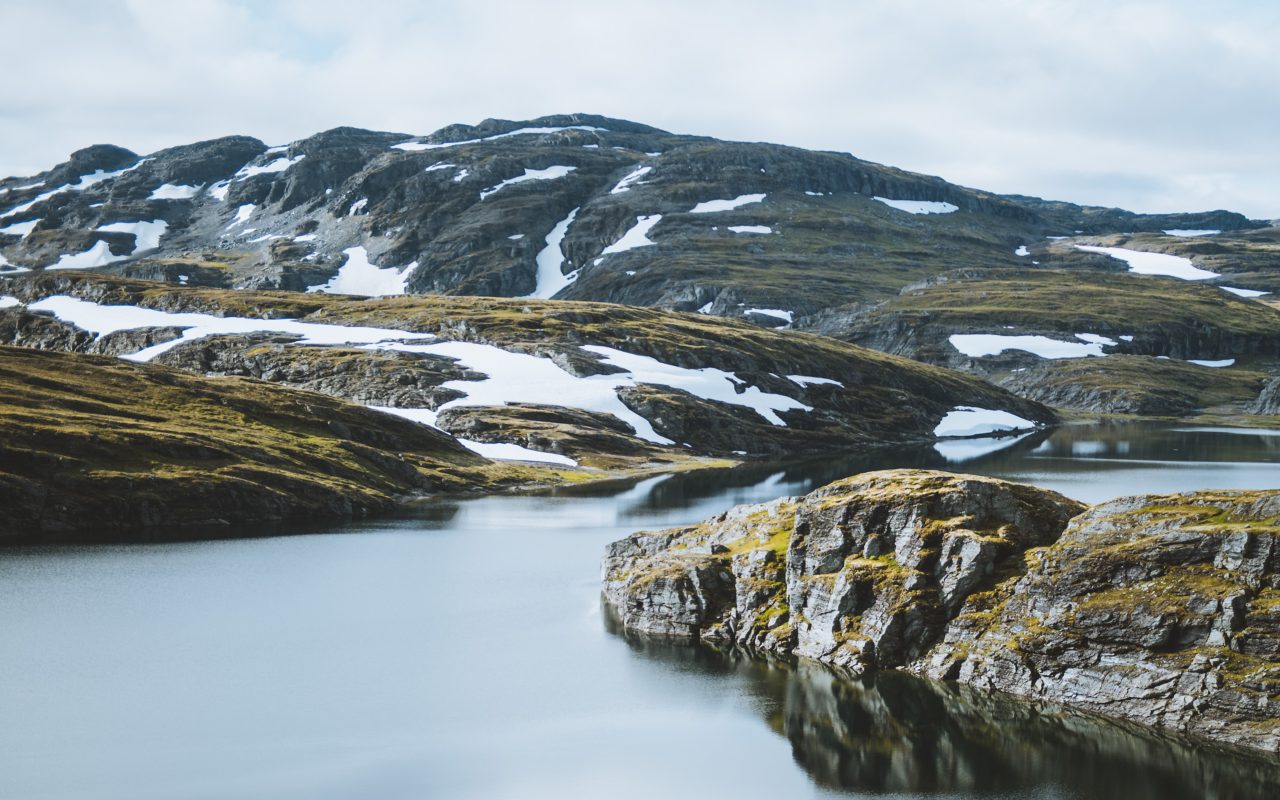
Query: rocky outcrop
1122	384
1161	610
1268	400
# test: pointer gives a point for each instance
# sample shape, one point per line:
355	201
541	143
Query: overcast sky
1153	106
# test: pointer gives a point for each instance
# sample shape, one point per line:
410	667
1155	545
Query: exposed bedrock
1161	609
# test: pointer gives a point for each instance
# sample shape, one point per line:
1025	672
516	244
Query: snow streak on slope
85	182
414	147
716	206
278	165
624	185
919	206
550	173
550	259
636	235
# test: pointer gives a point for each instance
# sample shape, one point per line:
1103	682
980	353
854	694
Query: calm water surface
462	653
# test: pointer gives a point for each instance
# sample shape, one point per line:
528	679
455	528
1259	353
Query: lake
460	651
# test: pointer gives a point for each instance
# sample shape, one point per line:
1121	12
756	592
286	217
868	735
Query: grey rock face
1161	610
1268	400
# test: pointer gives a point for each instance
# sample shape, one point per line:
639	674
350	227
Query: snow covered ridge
716	206
415	147
510	377
919	206
358	276
964	421
550	173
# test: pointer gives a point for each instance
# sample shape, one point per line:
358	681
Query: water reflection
895	733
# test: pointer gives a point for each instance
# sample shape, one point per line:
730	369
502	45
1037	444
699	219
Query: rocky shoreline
1162	610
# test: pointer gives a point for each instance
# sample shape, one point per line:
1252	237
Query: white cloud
1152	106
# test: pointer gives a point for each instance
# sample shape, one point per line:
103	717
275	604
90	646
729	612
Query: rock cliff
1162	610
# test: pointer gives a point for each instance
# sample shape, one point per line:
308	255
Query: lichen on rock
1164	610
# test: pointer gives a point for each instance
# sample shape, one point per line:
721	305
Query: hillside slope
575	206
678	381
94	447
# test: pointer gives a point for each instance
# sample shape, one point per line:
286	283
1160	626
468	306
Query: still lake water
461	652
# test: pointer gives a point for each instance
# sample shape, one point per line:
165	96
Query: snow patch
415	147
98	255
806	380
1225	362
218	191
636	236
358	276
20	228
772	312
505	451
1243	292
84	182
1144	263
625	184
707	383
100	320
715	206
515	237
146	235
550	259
751	229
357	206
963	421
1022	251
976	345
550	173
9	302
174	191
278	165
1191	232
440	165
1094	338
242	214
919	206
706	309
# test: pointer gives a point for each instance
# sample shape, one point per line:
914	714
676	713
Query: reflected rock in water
891	732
